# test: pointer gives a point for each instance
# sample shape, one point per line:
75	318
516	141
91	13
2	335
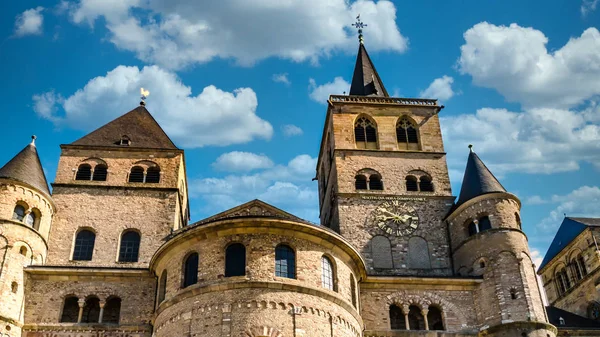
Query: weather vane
359	25
144	93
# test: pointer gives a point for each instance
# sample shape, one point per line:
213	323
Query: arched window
484	223
397	321
406	134
415	318
513	294
130	246
575	271
235	260
381	250
84	245
425	184
365	134
353	291
411	183
518	220
100	172
162	286
153	175
360	182
418	253
327	278
91	310
581	264
70	311
112	310
285	261
19	213
375	182
33	218
434	318
136	175
23	251
562	281
84	172
30	219
473	228
190	270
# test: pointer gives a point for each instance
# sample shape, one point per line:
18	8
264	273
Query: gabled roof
254	208
26	167
478	180
569	229
138	124
366	81
571	320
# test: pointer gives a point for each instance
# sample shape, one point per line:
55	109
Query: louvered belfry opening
153	175
136	175
84	172
406	135
365	134
100	172
411	184
375	183
360	182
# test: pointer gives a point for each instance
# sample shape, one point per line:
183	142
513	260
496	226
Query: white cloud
213	117
320	93
535	200
237	161
582	202
281	78
440	88
29	22
536	257
534	141
290	130
588	6
179	33
289	187
514	61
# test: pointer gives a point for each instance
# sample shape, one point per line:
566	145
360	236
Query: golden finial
359	25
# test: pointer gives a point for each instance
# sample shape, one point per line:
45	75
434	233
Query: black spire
478	180
26	167
366	81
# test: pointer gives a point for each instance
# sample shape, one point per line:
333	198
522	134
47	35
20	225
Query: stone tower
125	177
487	241
383	179
26	211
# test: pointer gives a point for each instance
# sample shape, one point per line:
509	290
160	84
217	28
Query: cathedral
110	251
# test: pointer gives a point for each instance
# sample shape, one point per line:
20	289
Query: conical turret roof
26	167
366	81
478	180
137	125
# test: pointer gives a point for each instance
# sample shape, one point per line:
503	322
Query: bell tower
383	179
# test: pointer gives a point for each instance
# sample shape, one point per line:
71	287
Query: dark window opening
84	246
190	268
19	213
513	294
125	141
415	318
411	184
365	134
235	260
285	262
353	291
581	264
153	175
472	228
434	318
425	184
375	183
481	264
397	321
484	223
70	311
112	311
360	182
136	175
100	172
84	172
130	247
162	287
91	310
406	134
518	220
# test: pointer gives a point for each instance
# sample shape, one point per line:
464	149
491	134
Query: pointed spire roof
26	167
366	81
478	180
137	125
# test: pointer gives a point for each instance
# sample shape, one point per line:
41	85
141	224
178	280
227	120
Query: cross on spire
359	25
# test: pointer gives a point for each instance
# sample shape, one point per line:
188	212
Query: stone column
102	304
81	303
405	312
424	313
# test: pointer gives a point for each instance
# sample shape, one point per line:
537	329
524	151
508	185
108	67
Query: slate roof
571	320
478	180
365	80
26	167
569	229
138	124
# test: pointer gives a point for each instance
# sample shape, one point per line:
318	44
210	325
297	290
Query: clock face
395	218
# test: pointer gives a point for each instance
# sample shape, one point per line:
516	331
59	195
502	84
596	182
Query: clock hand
383	210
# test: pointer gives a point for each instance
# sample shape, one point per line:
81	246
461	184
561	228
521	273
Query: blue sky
246	82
